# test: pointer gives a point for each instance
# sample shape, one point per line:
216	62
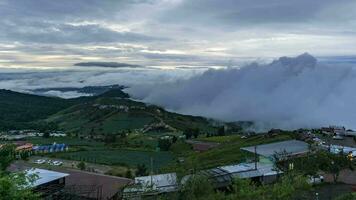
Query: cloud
287	93
107	64
66	95
45	33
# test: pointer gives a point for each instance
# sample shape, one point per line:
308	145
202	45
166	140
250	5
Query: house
289	148
89	185
332	130
47	182
218	177
24	147
74	184
151	185
258	172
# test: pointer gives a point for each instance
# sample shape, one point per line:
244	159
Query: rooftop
162	182
248	170
45	176
291	147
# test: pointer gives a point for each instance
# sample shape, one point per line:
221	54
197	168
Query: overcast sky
168	33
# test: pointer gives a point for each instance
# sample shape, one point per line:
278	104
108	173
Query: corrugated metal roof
248	170
291	147
44	176
162	182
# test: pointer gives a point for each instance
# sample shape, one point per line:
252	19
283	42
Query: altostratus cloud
287	93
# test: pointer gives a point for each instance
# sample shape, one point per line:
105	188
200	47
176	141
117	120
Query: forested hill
18	109
108	112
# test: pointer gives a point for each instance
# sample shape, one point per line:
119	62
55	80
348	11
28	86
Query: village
57	176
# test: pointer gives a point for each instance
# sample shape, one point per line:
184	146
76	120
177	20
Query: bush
81	165
141	170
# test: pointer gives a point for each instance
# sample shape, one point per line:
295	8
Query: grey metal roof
248	170
291	147
160	182
44	176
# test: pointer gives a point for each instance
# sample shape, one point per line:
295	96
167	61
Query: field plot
66	140
121	157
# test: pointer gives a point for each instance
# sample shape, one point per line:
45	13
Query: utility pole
151	173
255	157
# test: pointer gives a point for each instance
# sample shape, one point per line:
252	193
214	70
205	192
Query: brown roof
110	184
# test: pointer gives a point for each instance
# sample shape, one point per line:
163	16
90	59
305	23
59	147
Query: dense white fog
287	93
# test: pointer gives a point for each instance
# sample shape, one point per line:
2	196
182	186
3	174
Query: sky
230	60
45	34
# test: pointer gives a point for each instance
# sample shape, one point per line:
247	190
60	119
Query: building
218	177
258	172
88	185
50	148
333	130
289	148
24	147
75	184
47	182
151	185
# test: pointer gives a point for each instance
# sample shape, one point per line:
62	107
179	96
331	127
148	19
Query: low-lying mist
286	93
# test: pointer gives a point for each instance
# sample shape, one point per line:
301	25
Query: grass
123	121
226	153
121	157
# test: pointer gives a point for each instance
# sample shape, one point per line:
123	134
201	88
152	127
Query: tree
141	170
46	134
198	187
164	144
350	196
288	187
221	131
191	132
81	165
109	138
128	173
7	155
15	187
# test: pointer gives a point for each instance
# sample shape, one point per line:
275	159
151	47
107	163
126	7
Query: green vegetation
320	161
14	186
81	165
228	153
19	111
289	187
120	157
111	115
351	196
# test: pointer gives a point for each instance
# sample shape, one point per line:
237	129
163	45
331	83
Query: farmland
123	157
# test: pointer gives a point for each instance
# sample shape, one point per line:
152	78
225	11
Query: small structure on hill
50	148
289	148
258	172
151	186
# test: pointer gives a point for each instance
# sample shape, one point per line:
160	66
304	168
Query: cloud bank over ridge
287	93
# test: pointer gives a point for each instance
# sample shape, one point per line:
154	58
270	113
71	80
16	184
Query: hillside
109	115
17	110
109	112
